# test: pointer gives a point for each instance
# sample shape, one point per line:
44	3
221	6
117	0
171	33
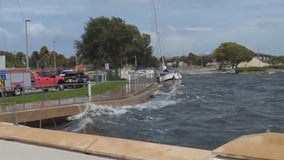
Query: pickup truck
43	79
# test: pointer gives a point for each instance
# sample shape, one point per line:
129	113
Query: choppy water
206	112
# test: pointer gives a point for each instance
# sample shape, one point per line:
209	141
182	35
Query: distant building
2	62
255	62
212	64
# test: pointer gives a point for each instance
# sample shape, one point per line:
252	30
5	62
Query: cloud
176	42
190	29
172	43
185	25
197	29
172	28
5	37
17	10
38	30
33	10
128	1
4	34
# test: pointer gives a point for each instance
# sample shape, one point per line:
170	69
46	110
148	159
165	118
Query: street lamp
27	50
54	56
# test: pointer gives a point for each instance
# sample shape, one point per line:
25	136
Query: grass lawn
68	93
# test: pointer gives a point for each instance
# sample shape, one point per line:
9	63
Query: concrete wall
42	141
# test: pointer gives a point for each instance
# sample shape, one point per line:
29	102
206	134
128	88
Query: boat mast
158	34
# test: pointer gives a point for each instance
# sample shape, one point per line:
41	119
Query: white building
255	62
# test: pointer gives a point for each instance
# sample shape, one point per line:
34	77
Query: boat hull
172	83
170	78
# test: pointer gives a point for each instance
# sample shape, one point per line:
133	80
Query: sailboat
165	75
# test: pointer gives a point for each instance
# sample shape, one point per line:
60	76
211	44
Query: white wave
198	98
80	125
94	109
107	110
161	99
13	124
170	91
156	92
155	104
115	123
159	131
80	115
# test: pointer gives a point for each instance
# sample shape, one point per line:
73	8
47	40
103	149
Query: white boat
165	74
169	75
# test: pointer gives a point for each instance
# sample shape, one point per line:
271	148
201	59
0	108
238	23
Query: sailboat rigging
165	74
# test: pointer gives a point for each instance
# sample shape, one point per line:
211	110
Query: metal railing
78	93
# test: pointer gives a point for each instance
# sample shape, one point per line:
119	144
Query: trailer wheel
45	90
60	86
17	91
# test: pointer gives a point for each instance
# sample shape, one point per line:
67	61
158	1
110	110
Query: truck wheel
60	87
17	91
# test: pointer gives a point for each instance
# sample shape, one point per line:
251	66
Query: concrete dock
24	143
44	144
264	146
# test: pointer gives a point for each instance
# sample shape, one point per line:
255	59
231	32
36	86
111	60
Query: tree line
229	53
226	53
38	59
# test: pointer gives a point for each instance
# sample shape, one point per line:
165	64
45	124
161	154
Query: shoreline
207	70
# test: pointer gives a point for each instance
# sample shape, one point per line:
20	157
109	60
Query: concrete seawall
45	113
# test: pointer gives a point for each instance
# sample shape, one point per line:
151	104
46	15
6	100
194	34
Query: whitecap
161	99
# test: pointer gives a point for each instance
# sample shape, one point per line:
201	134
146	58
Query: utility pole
27	45
54	56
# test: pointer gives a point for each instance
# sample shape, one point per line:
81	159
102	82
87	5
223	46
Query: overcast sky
197	26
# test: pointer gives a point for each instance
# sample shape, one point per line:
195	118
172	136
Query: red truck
14	80
44	79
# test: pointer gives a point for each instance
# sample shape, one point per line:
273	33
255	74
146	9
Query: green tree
35	60
71	62
202	60
44	57
191	59
220	56
20	60
10	58
232	53
277	60
140	51
176	61
61	61
112	41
